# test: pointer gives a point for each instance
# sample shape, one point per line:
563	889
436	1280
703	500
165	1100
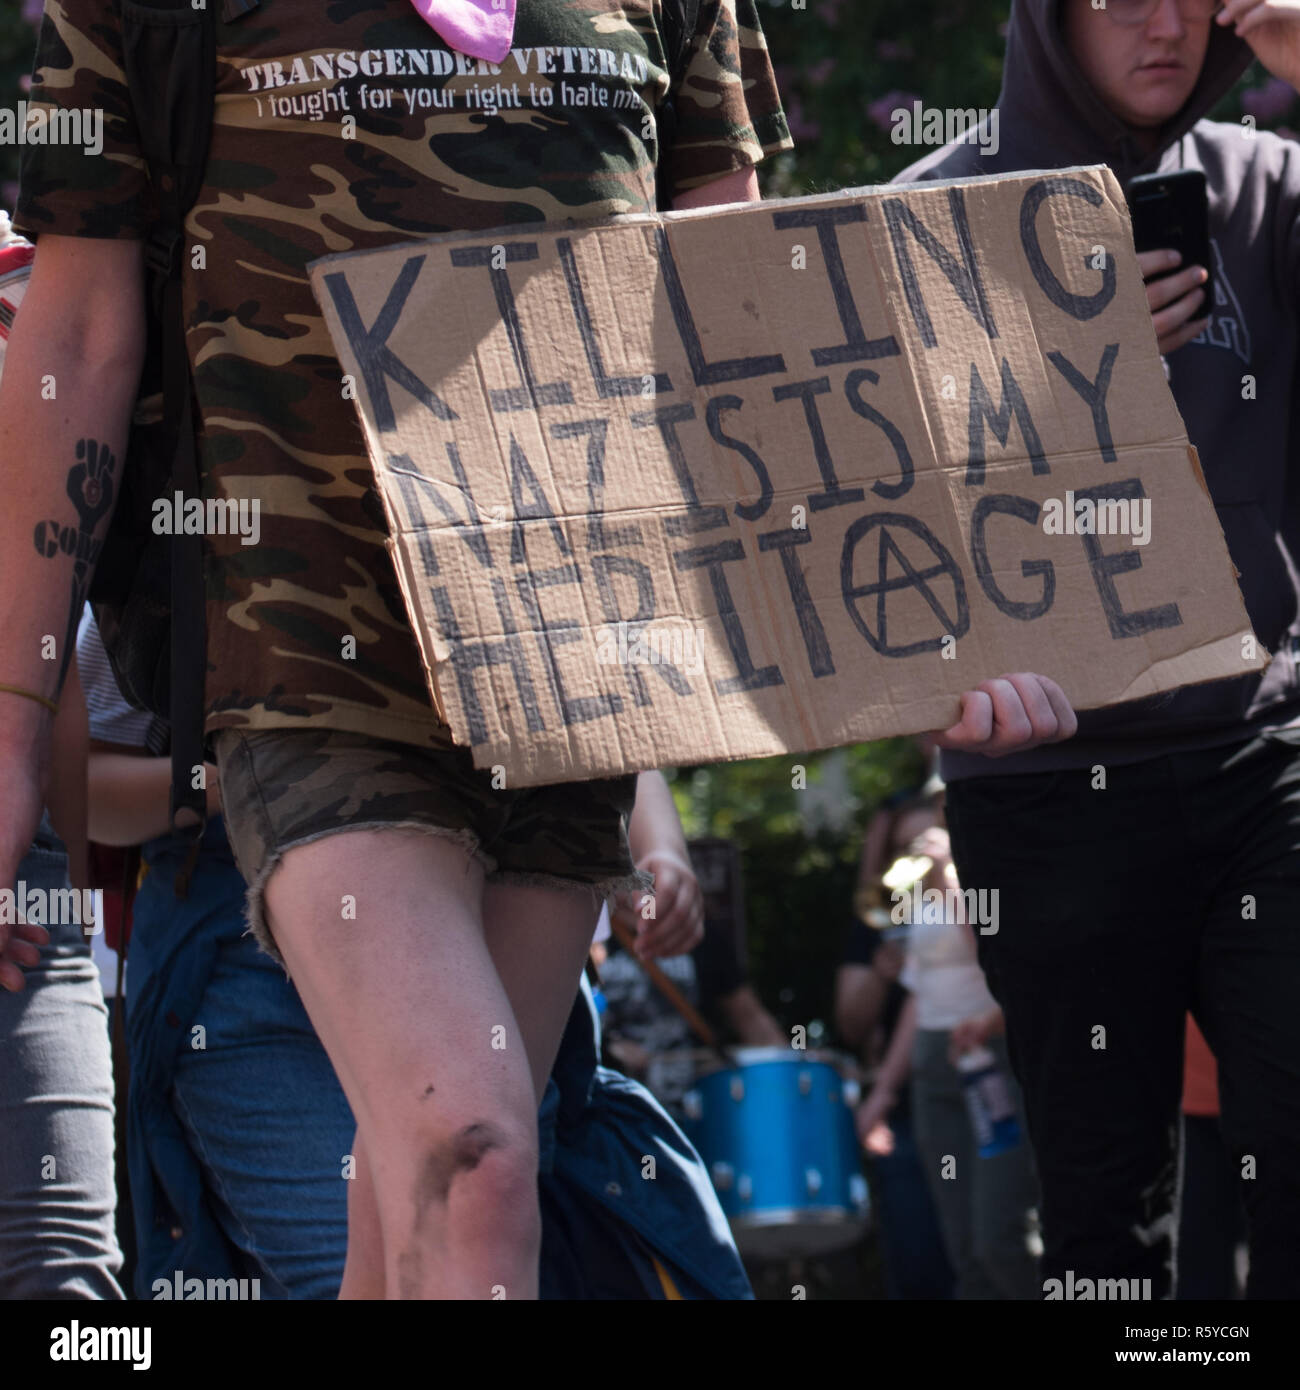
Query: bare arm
897	1066
72	369
891	1077
740	186
750	1021
130	795
658	845
654	823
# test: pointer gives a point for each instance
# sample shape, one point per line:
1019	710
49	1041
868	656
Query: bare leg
415	1019
363	1272
539	939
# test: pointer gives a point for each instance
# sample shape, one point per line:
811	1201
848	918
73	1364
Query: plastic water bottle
988	1102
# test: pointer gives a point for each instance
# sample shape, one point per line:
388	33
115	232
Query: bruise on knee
461	1153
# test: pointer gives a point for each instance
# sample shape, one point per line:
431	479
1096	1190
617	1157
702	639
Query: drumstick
618	921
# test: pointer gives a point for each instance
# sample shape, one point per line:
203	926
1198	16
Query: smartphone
1172	210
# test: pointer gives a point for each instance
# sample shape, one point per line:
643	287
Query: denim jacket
598	1131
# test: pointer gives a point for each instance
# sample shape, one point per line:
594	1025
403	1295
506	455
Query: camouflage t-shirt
346	125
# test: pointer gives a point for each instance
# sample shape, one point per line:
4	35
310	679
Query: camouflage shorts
286	787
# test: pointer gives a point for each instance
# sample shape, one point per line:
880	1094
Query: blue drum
776	1132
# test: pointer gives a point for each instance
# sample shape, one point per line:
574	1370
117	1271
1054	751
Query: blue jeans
57	1197
239	1127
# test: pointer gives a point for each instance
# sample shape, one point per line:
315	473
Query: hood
1051	117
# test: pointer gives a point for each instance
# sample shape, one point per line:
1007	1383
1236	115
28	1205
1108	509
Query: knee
481	1152
484	1174
471	1205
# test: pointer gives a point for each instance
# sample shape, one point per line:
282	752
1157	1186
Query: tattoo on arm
91	484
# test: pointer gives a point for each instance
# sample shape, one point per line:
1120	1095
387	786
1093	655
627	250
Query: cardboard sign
780	476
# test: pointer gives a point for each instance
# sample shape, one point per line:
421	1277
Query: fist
1010	715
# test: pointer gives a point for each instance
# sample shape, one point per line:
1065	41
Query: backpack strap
169	55
680	18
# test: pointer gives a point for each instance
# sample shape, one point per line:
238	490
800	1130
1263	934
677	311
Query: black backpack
148	590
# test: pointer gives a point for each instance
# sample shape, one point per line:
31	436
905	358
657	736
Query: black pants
1210	1220
1174	886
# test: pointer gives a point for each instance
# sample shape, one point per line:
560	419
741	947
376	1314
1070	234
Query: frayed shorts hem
637	881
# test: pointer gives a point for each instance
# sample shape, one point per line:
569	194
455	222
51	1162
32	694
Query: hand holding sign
1011	715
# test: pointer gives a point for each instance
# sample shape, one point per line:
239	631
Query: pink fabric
481	28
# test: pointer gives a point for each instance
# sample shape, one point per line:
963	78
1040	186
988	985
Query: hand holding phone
1171	234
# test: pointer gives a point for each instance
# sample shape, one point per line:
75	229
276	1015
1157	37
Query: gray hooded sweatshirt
1050	118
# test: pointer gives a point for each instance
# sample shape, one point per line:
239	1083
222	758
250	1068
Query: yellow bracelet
51	705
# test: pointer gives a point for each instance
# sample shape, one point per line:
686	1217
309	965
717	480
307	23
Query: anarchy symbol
953	623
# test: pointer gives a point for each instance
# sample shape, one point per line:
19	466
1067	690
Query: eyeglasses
1131	13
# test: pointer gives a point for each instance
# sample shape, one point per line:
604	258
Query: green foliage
843	65
798	875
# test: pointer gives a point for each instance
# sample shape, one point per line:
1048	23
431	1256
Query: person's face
1146	72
